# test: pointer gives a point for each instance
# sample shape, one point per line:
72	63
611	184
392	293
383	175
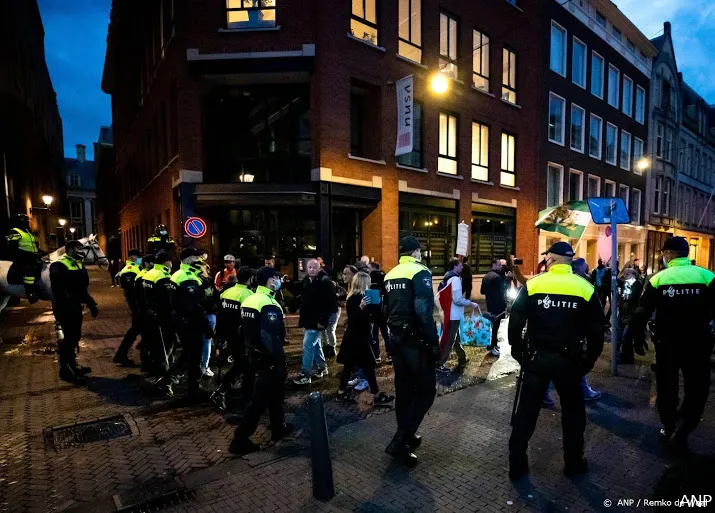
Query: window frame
410	42
633	203
666	196
228	10
510	137
446	156
615	145
635	159
618	86
560	168
454	62
627	201
585	62
600	137
639	114
483	49
657	194
563	120
601	83
659	139
620	150
588	186
510	88
628	112
564	53
366	22
583	128
606	184
576	172
483	159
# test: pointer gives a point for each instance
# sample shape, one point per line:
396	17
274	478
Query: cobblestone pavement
170	438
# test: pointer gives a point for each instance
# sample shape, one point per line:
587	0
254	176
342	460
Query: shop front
493	235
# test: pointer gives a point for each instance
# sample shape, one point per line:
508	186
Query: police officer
229	328
25	252
143	346
127	279
158	322
189	300
680	293
561	310
69	281
415	345
161	240
265	333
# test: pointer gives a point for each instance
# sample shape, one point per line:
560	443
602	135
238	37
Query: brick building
105	172
596	93
277	124
30	126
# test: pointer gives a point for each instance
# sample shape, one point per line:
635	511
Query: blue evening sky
76	31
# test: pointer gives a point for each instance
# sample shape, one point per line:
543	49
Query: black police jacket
264	330
69	281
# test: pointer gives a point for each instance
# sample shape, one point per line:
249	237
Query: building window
575	185
668	145
595	133
601	19
637	154
493	235
448	45
554	185
578	63
616	33
73	180
480	152
480	61
640	104
250	14
631	47
624	194
665	95
594	186
666	197
508	89
363	22
657	194
660	131
614	77
610	190
76	209
625	153
627	106
447	161
578	120
410	30
508	159
558	48
557	113
365	140
611	142
635	209
414	158
597	66
435	228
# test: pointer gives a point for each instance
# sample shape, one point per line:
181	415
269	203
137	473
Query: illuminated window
363	22
508	159
508	89
448	45
250	14
480	152
410	30
447	160
480	61
637	154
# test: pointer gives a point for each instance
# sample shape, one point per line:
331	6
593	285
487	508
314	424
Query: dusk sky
76	32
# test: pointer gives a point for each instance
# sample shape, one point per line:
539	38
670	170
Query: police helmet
21	221
161	228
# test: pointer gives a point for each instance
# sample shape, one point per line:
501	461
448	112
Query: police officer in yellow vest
409	308
25	252
265	334
560	310
683	298
161	240
69	281
158	315
143	346
127	279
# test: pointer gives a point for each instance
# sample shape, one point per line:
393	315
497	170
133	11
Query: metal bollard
323	486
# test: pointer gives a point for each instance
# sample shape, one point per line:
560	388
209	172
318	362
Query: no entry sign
195	227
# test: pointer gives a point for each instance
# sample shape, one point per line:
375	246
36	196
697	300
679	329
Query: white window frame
562	142
627	111
610	184
576	41
480	159
635	190
560	168
628	196
620	150
618	86
603	74
565	50
598	187
576	172
600	137
636	169
640	112
614	162
583	128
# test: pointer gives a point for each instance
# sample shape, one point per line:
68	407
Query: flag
570	219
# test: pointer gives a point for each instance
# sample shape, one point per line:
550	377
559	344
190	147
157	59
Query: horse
44	290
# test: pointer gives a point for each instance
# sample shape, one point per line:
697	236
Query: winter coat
356	348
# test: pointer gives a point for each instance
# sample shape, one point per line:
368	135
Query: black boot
68	374
241	447
415	442
80	369
400	450
31	292
575	466
218	398
518	467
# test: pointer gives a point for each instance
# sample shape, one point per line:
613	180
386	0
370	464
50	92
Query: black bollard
323	486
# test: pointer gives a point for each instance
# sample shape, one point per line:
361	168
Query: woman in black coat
356	349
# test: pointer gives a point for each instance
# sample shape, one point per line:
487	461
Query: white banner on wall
462	239
405	116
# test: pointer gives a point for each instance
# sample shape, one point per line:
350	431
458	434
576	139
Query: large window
448	45
557	113
595	134
610	190
364	129
447	161
508	159
597	67
554	185
578	63
624	194
76	210
578	122
410	30
575	185
635	209
363	22
657	193
558	48
625	153
594	186
637	154
435	228
508	88
73	180
627	106
640	104
668	145
414	158
666	197
614	77
480	152
493	235
480	61
660	131
611	142
251	14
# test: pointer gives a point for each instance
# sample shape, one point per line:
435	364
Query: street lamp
73	229
63	222
439	83
47	200
643	164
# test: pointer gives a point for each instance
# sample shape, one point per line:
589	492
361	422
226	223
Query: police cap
163	257
677	244
189	252
409	244
264	274
134	252
561	249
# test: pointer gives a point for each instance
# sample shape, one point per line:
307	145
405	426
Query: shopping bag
475	331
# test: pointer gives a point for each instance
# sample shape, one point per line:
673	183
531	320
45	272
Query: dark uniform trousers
159	342
191	338
415	383
241	365
131	335
565	373
69	317
268	392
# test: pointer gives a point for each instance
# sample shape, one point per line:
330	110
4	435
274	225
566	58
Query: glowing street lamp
643	164
63	222
47	200
73	229
439	83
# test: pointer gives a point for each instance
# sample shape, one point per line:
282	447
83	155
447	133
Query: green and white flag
570	219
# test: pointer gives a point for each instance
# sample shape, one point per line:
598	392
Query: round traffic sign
195	227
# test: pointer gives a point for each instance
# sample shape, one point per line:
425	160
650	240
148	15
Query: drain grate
107	428
154	495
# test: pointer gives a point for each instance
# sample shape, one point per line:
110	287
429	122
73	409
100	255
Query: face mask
665	261
138	261
276	286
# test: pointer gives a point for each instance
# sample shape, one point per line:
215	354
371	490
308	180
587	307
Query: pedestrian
452	303
127	279
161	240
228	327
70	282
415	346
629	293
328	337
494	286
265	334
141	308
221	278
356	349
317	304
379	323
114	257
158	323
682	297
561	310
466	275
25	253
211	299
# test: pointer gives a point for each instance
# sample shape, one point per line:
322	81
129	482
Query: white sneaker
353	382
321	373
494	352
362	385
302	380
208	372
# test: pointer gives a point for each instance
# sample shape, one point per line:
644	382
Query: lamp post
439	83
47	200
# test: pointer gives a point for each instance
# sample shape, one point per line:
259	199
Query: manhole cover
107	428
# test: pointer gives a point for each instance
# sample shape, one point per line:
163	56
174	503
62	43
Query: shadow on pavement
125	391
693	475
